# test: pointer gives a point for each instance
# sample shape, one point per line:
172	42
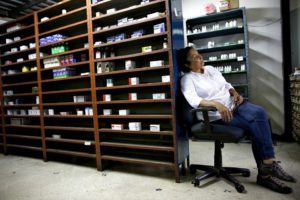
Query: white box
107	112
90	111
159	96
56	136
106	97
159	28
156	63
132	96
124	112
51	111
109	82
79	112
129	64
7	41
165	78
23	47
135	126
110	10
133	81
117	126
155	127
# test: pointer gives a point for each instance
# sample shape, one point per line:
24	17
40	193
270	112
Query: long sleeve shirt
210	85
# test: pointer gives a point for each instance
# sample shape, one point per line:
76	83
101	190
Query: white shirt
210	85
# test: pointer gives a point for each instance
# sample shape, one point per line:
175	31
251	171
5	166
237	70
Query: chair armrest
203	109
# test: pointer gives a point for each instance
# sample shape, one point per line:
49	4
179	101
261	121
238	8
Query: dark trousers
254	120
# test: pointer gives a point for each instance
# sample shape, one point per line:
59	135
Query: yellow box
146	49
229	4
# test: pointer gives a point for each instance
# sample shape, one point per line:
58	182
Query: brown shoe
274	184
275	170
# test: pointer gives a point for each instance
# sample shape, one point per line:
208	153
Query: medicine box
117	126
155	127
159	28
165	79
132	96
107	111
106	97
129	64
156	63
135	126
159	96
146	49
124	112
133	81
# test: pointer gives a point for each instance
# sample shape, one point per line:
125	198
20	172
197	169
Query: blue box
159	28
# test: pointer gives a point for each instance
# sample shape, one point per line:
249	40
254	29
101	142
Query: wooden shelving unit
67	87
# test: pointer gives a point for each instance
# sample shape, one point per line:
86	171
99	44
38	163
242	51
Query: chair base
224	172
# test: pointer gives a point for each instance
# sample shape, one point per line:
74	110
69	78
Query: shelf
18	63
68	104
20	84
21	105
216	33
137	146
69	116
72	153
100	3
135	24
137	161
63	28
222	48
19	41
68	91
19	74
128	40
236	72
142	85
18	30
142	69
22	94
65	53
136	101
72	141
23	126
135	116
82	129
70	65
132	55
24	137
17	52
64	40
142	132
24	147
65	79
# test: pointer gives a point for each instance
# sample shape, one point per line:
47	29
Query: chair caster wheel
196	183
239	188
246	174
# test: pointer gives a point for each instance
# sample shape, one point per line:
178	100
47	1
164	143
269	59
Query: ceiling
16	8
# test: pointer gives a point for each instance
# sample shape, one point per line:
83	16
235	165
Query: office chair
204	130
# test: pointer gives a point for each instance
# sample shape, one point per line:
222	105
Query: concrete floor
23	178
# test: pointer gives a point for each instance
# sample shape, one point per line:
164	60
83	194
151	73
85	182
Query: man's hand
238	99
224	111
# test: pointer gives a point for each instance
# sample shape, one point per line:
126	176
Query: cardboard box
229	4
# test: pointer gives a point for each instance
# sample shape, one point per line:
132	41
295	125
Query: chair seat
222	133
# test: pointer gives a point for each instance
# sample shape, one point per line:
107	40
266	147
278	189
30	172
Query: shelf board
22	94
21	105
70	65
65	79
142	132
137	146
22	116
69	116
222	48
18	52
133	55
137	161
68	104
23	126
215	33
135	24
141	69
132	8
18	30
83	129
18	63
142	85
62	15
71	153
20	84
235	72
144	37
24	147
24	136
63	28
64	53
73	141
64	40
67	91
18	41
136	101
19	73
100	3
135	116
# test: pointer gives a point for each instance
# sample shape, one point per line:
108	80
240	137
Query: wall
266	79
295	31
